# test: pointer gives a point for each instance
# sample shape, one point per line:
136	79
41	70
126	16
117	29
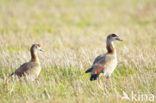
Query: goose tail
89	70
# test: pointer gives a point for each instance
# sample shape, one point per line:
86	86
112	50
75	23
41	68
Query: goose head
35	48
113	37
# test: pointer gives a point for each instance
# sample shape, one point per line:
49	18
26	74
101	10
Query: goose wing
95	61
23	69
99	65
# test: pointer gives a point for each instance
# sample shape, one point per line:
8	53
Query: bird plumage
30	69
105	63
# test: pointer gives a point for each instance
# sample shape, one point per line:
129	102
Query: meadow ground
73	33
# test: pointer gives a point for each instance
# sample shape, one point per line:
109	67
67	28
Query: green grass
72	33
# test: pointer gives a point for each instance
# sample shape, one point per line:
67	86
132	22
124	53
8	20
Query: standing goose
31	69
105	63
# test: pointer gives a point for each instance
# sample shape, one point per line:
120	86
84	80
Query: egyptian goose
31	69
105	63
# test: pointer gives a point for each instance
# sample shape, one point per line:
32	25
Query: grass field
72	33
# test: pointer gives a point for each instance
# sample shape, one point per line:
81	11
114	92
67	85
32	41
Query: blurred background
72	33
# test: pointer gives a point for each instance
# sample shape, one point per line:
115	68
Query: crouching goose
31	69
105	63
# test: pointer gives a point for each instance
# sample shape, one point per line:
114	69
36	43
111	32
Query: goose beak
41	50
118	39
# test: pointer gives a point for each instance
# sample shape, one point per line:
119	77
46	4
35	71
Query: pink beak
118	39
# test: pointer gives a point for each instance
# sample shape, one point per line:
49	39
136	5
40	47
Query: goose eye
113	35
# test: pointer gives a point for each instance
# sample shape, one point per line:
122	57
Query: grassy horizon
72	34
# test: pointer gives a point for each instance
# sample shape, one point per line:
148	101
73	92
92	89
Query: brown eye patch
38	45
113	35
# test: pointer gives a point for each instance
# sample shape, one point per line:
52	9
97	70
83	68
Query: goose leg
107	82
98	79
99	83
